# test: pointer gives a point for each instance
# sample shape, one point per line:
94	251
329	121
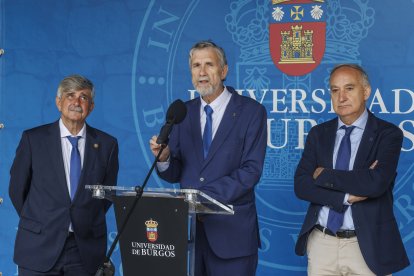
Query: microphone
175	114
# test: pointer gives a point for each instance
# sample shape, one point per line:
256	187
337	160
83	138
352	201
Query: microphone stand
107	267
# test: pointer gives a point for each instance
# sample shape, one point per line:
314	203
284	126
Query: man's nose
202	71
342	95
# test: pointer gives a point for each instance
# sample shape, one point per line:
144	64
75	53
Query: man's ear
91	106
224	72
58	103
367	92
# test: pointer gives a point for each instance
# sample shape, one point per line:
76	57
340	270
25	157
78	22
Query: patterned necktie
75	165
336	219
208	134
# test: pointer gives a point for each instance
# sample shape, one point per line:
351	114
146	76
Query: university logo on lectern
297	35
152	232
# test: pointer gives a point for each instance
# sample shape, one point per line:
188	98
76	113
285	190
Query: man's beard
205	91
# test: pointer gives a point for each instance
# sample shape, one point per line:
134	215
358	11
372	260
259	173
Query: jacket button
201	179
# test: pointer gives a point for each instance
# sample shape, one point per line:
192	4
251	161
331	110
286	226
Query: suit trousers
69	263
209	264
328	255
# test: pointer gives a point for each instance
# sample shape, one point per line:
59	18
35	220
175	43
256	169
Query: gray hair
209	44
75	83
362	73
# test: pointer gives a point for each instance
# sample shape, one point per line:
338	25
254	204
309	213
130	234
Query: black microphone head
176	112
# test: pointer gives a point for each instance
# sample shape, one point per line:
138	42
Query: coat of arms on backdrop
297	35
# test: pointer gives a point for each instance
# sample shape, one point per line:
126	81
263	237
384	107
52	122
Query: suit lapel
194	117
54	143
230	116
328	141
91	148
367	141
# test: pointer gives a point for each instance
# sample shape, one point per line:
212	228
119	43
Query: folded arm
304	182
374	179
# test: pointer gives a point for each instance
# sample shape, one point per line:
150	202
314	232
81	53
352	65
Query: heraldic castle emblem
297	35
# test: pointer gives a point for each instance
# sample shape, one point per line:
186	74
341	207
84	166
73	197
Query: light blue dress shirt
355	137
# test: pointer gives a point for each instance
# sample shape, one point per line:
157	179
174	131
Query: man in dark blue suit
350	228
62	229
221	153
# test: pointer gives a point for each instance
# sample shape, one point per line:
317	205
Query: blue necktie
208	132
75	165
336	219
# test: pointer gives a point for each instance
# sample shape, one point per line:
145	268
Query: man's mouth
344	105
203	81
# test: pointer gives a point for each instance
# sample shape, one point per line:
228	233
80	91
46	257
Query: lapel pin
95	146
234	114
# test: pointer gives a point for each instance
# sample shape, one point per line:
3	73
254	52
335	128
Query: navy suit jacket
229	173
377	231
39	193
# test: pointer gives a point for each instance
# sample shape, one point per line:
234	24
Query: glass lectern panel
199	202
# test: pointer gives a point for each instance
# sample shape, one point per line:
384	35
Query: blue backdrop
136	53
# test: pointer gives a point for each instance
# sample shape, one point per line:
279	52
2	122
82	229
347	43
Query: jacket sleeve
21	174
111	169
305	186
364	181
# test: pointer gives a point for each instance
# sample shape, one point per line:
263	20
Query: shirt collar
64	132
359	123
220	100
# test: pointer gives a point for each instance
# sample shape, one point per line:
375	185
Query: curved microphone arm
107	265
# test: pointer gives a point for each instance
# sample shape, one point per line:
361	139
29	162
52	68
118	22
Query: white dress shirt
219	106
67	148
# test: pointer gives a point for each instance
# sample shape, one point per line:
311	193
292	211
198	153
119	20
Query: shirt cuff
163	166
345	199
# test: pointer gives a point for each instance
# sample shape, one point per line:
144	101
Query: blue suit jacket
229	173
39	193
375	224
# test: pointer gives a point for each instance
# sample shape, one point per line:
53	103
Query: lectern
159	238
